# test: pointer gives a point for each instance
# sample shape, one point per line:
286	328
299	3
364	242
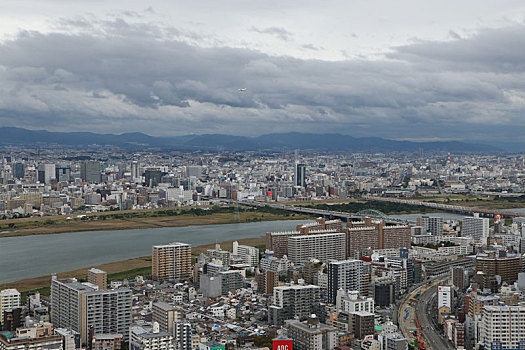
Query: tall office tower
9	298
507	267
98	278
294	301
153	177
249	255
46	172
135	171
171	262
300	175
182	332
165	314
311	334
194	171
360	240
63	173
324	247
90	171
502	327
79	307
433	225
346	275
278	242
19	170
475	227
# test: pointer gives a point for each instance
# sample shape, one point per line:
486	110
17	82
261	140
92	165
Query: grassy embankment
121	220
482	201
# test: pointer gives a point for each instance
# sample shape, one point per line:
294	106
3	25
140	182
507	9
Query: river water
32	256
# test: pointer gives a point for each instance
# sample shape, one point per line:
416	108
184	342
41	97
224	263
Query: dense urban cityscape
262	175
444	269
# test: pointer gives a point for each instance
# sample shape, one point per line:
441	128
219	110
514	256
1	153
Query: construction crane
420	340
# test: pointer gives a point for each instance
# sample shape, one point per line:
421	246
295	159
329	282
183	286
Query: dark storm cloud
115	76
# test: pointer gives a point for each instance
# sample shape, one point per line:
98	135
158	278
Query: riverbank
117	270
38	226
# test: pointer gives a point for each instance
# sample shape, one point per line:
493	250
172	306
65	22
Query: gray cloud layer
115	76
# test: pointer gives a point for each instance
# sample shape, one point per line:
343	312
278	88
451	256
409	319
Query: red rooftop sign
280	344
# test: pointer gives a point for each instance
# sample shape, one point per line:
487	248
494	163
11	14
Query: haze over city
240	175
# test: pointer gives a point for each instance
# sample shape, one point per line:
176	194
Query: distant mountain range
211	142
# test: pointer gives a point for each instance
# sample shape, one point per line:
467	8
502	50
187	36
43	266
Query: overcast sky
405	69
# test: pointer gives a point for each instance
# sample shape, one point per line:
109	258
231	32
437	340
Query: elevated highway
344	216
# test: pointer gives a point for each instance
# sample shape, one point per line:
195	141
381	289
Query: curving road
434	340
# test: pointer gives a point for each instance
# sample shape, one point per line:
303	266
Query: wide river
32	256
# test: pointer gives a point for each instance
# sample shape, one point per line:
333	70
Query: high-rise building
46	172
346	275
63	173
223	255
324	247
311	334
9	298
433	225
13	318
171	262
361	323
507	267
135	171
221	283
98	278
80	307
383	290
194	171
444	297
165	314
249	255
502	327
90	171
369	234
294	301
460	277
300	175
396	236
475	227
182	332
278	242
352	302
153	177
18	170
360	240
